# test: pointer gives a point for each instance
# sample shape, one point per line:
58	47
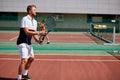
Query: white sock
48	41
19	77
25	72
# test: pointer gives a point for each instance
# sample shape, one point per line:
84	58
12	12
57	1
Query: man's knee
31	59
23	61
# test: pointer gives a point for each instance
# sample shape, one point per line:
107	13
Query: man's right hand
43	33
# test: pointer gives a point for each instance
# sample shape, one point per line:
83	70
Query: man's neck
31	16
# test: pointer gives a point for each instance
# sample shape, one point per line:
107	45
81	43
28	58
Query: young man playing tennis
27	31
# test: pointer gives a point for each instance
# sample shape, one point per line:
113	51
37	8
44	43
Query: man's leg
28	64
48	41
24	58
21	68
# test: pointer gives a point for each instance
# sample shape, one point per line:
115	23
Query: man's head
31	9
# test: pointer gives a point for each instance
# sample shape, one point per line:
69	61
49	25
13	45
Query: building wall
119	25
70	22
74	11
63	6
10	24
73	22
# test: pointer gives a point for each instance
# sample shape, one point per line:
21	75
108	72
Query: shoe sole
26	79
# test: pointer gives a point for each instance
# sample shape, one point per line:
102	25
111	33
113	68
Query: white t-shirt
29	23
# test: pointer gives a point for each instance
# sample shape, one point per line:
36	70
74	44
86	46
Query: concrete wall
74	11
75	22
119	25
9	25
70	22
63	6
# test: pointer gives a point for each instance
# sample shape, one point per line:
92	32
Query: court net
103	32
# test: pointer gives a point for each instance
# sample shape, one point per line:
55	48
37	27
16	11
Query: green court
63	49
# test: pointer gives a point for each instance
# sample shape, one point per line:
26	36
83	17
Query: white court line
13	38
65	60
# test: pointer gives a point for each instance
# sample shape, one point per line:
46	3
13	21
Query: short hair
29	7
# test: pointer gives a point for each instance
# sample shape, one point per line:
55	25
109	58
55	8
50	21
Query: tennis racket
49	23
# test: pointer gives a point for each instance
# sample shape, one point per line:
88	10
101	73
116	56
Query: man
27	31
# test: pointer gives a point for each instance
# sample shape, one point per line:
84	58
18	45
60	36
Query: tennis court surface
70	56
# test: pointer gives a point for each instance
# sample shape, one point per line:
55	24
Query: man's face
33	11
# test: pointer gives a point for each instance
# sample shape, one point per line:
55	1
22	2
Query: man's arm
36	38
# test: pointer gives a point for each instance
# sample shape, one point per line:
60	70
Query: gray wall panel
63	6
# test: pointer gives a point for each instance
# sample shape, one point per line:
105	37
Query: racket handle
43	37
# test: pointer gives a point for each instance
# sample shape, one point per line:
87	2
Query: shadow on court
3	78
116	55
